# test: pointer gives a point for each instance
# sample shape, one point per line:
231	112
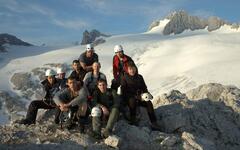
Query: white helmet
96	112
89	47
60	70
146	97
50	72
118	48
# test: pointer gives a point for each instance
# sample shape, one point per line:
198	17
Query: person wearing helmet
91	78
51	87
75	99
61	73
120	64
87	58
106	104
134	90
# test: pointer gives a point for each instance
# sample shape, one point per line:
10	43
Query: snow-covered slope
167	62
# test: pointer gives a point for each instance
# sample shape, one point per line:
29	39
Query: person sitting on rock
87	58
106	104
91	78
132	86
51	87
75	99
120	65
78	72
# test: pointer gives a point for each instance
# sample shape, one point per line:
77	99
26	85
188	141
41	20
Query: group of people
85	93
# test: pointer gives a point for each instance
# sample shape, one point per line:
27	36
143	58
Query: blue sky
55	22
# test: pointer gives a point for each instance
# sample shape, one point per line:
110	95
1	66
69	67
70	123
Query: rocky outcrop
93	37
153	24
204	118
209	114
11	40
214	23
181	21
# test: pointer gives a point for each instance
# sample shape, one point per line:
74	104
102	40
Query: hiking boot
106	133
81	128
156	127
95	135
69	124
24	121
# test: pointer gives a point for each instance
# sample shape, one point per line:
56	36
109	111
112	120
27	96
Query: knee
96	112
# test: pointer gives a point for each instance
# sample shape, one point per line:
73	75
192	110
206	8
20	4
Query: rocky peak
93	37
181	21
11	40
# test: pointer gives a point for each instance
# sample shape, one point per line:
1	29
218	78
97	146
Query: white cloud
147	8
77	24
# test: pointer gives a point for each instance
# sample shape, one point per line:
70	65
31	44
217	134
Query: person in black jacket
78	72
51	87
132	86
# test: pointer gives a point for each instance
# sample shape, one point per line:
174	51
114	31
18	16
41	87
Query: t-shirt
88	60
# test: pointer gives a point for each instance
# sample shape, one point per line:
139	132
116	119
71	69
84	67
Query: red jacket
116	65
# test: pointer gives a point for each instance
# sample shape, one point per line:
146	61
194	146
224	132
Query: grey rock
214	23
11	103
113	141
90	37
181	21
11	40
153	24
235	26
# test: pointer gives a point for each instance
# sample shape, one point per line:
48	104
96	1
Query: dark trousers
133	103
33	109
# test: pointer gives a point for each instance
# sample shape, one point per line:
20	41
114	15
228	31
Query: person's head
118	49
96	66
76	65
72	83
89	50
50	74
102	85
132	69
61	73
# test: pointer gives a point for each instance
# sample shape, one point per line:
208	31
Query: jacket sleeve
116	99
143	84
123	86
95	98
61	96
115	68
81	98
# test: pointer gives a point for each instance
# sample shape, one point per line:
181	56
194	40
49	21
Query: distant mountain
180	21
11	40
94	37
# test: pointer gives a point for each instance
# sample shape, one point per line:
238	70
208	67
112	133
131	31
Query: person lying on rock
75	99
132	87
106	109
51	87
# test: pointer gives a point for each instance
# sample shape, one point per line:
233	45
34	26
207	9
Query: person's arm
115	68
123	86
61	97
81	98
143	84
85	67
116	99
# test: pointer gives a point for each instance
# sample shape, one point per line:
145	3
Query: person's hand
105	110
63	107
